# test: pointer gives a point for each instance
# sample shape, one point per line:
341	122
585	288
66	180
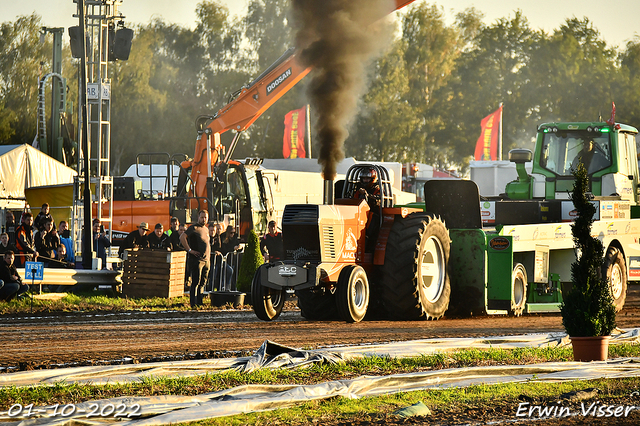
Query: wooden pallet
154	273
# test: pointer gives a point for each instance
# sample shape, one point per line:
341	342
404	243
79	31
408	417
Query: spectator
215	239
217	260
158	239
5	245
173	226
24	240
40	219
13	286
229	240
10	227
196	241
47	241
100	243
65	238
61	258
135	239
174	233
271	245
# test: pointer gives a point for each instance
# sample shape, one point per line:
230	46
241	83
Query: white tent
23	166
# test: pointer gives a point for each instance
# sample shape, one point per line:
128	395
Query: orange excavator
218	184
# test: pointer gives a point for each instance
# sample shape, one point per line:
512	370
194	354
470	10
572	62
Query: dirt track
40	341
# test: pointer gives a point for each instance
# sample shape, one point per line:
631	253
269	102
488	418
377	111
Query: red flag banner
612	120
487	145
294	128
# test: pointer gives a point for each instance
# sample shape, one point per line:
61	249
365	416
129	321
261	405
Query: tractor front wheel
267	302
352	293
615	270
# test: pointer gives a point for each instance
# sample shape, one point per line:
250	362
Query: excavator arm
247	106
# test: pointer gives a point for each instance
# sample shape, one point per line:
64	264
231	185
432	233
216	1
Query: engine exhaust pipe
327	197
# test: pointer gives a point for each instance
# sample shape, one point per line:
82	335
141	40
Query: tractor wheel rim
275	297
432	273
616	281
518	290
358	293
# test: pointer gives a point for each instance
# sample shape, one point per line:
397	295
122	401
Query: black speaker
75	41
122	43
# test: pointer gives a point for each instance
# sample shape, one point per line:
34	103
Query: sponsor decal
486	205
499	243
634	266
513	235
351	241
118	234
287	271
535	233
278	81
559	231
627	228
611	230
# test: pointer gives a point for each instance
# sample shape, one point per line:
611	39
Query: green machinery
523	264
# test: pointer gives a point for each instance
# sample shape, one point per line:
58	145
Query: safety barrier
54	276
223	273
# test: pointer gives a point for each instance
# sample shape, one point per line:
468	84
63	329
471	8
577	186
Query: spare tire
415	280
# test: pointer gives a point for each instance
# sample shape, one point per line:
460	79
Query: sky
617	22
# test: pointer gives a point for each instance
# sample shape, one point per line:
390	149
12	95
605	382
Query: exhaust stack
327	198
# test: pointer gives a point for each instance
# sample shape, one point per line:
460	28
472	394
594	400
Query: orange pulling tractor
345	259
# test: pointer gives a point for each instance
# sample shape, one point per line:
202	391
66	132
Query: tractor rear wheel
415	281
352	293
317	306
615	271
267	302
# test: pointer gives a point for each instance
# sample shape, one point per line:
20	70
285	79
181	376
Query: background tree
386	123
571	75
267	30
427	95
22	60
488	74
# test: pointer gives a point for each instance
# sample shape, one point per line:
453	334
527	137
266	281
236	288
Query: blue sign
33	270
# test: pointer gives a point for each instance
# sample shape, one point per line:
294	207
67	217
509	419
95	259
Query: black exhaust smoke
339	39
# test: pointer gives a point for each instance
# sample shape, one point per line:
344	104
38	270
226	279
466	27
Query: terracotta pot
590	348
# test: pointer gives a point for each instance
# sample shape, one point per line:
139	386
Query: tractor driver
369	189
592	156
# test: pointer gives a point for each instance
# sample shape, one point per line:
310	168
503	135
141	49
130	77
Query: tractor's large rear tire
267	302
317	305
352	293
615	270
415	280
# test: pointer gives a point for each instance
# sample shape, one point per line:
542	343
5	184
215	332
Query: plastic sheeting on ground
251	398
272	355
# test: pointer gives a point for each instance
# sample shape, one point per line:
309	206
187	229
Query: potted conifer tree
588	313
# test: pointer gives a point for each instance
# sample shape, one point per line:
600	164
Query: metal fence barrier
223	273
